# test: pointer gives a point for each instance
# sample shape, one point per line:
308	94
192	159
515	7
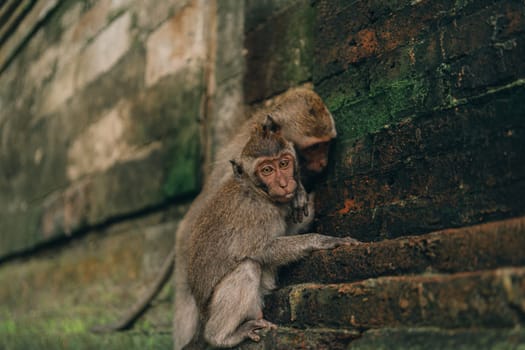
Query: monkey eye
266	170
284	163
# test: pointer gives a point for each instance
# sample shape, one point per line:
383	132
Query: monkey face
277	174
314	158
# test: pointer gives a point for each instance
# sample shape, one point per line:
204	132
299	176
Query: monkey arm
286	249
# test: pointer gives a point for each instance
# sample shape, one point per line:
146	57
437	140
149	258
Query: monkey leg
235	310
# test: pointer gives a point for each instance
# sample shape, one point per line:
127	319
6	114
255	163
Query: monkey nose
283	183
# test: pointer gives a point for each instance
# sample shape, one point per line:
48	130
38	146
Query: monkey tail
127	321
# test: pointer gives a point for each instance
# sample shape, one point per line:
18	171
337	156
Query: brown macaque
307	123
239	239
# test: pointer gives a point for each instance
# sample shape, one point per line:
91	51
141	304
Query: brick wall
428	101
111	112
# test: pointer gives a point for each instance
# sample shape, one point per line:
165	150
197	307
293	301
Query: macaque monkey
238	240
306	122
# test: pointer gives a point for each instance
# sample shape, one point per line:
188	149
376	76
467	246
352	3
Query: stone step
480	247
490	298
389	339
293	338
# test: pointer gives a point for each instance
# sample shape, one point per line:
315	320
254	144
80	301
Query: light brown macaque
307	123
239	239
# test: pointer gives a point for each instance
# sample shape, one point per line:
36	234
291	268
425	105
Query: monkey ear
237	168
270	125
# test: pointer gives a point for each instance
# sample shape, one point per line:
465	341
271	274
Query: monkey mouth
289	195
285	197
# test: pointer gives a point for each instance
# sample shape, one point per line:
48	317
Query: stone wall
106	96
111	112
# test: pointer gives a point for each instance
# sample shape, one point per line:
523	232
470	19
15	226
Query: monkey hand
300	205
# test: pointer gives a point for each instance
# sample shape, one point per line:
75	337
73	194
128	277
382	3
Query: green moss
7	327
68	328
183	175
298	45
386	102
280	52
27	339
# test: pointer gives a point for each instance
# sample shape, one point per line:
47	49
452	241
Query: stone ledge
431	338
284	338
492	299
479	247
389	339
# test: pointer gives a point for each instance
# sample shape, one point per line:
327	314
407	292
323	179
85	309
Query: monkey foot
253	326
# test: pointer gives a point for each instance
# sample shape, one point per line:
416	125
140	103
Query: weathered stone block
390	339
105	143
430	339
447	169
480	247
91	22
388	72
61	88
348	34
381	91
464	300
229	45
20	25
494	24
489	68
149	136
152	13
228	112
104	52
284	338
107	195
178	44
257	12
279	53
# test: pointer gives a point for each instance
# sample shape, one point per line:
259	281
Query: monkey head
309	126
269	163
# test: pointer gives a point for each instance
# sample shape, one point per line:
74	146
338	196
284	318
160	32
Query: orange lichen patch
361	45
368	41
391	41
349	205
355	289
404	303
